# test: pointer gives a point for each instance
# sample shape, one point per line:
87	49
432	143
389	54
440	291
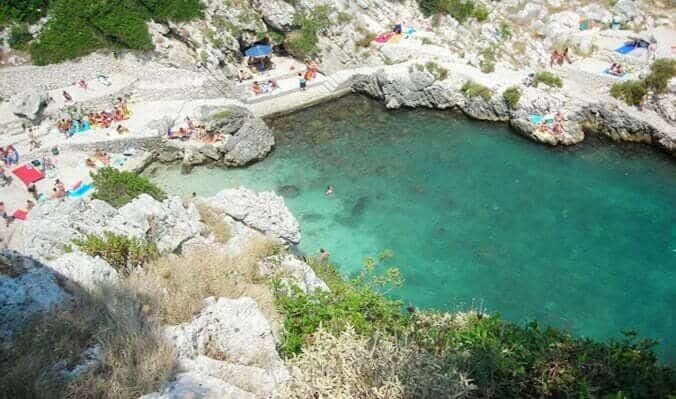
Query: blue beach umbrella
258	51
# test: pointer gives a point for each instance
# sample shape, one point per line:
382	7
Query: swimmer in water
329	191
323	255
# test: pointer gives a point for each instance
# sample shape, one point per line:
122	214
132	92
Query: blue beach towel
624	75
626	49
81	191
76	128
538	119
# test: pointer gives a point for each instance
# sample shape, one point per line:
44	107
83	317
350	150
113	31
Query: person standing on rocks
302	82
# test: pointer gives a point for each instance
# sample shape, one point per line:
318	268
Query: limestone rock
292	271
628	8
265	212
199	386
253	141
30	104
85	271
167	223
26	296
276	13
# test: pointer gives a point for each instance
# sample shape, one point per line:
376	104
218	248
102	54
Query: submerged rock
288	191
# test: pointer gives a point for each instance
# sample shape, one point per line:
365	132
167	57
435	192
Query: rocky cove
205	317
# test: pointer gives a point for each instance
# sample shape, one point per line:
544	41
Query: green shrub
488	58
505	30
661	71
548	78
19	37
119	188
501	358
22	10
122	253
302	42
437	70
366	39
631	91
472	89
512	96
480	13
461	10
76	28
356	302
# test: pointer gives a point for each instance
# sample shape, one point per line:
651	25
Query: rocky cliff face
228	350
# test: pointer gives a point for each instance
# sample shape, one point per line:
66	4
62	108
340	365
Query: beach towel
75	186
409	32
395	39
539	119
28	174
626	48
76	128
624	75
81	191
20	214
384	38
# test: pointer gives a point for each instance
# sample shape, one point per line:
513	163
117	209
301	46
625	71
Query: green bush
472	89
302	42
661	71
122	253
548	78
512	96
119	188
76	28
503	359
461	10
19	37
631	91
480	13
22	10
355	302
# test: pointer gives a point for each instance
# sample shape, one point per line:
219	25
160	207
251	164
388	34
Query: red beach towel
28	174
384	38
20	214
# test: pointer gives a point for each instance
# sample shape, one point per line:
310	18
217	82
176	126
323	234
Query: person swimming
329	191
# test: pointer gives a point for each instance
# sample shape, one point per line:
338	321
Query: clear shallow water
580	238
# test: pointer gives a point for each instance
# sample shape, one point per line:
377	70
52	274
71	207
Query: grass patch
439	72
215	221
122	253
302	42
366	39
76	29
548	78
502	359
511	96
119	188
173	289
505	30
135	360
480	13
488	59
472	89
461	10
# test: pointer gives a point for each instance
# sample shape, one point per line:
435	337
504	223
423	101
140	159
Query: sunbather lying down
181	133
616	69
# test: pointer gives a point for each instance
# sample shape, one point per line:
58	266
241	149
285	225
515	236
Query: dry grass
353	366
215	222
136	360
173	288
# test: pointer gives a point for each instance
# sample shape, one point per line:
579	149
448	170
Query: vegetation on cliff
632	91
502	359
119	188
77	28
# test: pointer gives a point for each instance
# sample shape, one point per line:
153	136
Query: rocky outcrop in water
245	139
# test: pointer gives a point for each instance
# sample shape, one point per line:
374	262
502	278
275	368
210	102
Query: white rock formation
294	271
265	212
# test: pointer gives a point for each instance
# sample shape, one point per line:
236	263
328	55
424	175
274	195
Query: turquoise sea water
581	238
